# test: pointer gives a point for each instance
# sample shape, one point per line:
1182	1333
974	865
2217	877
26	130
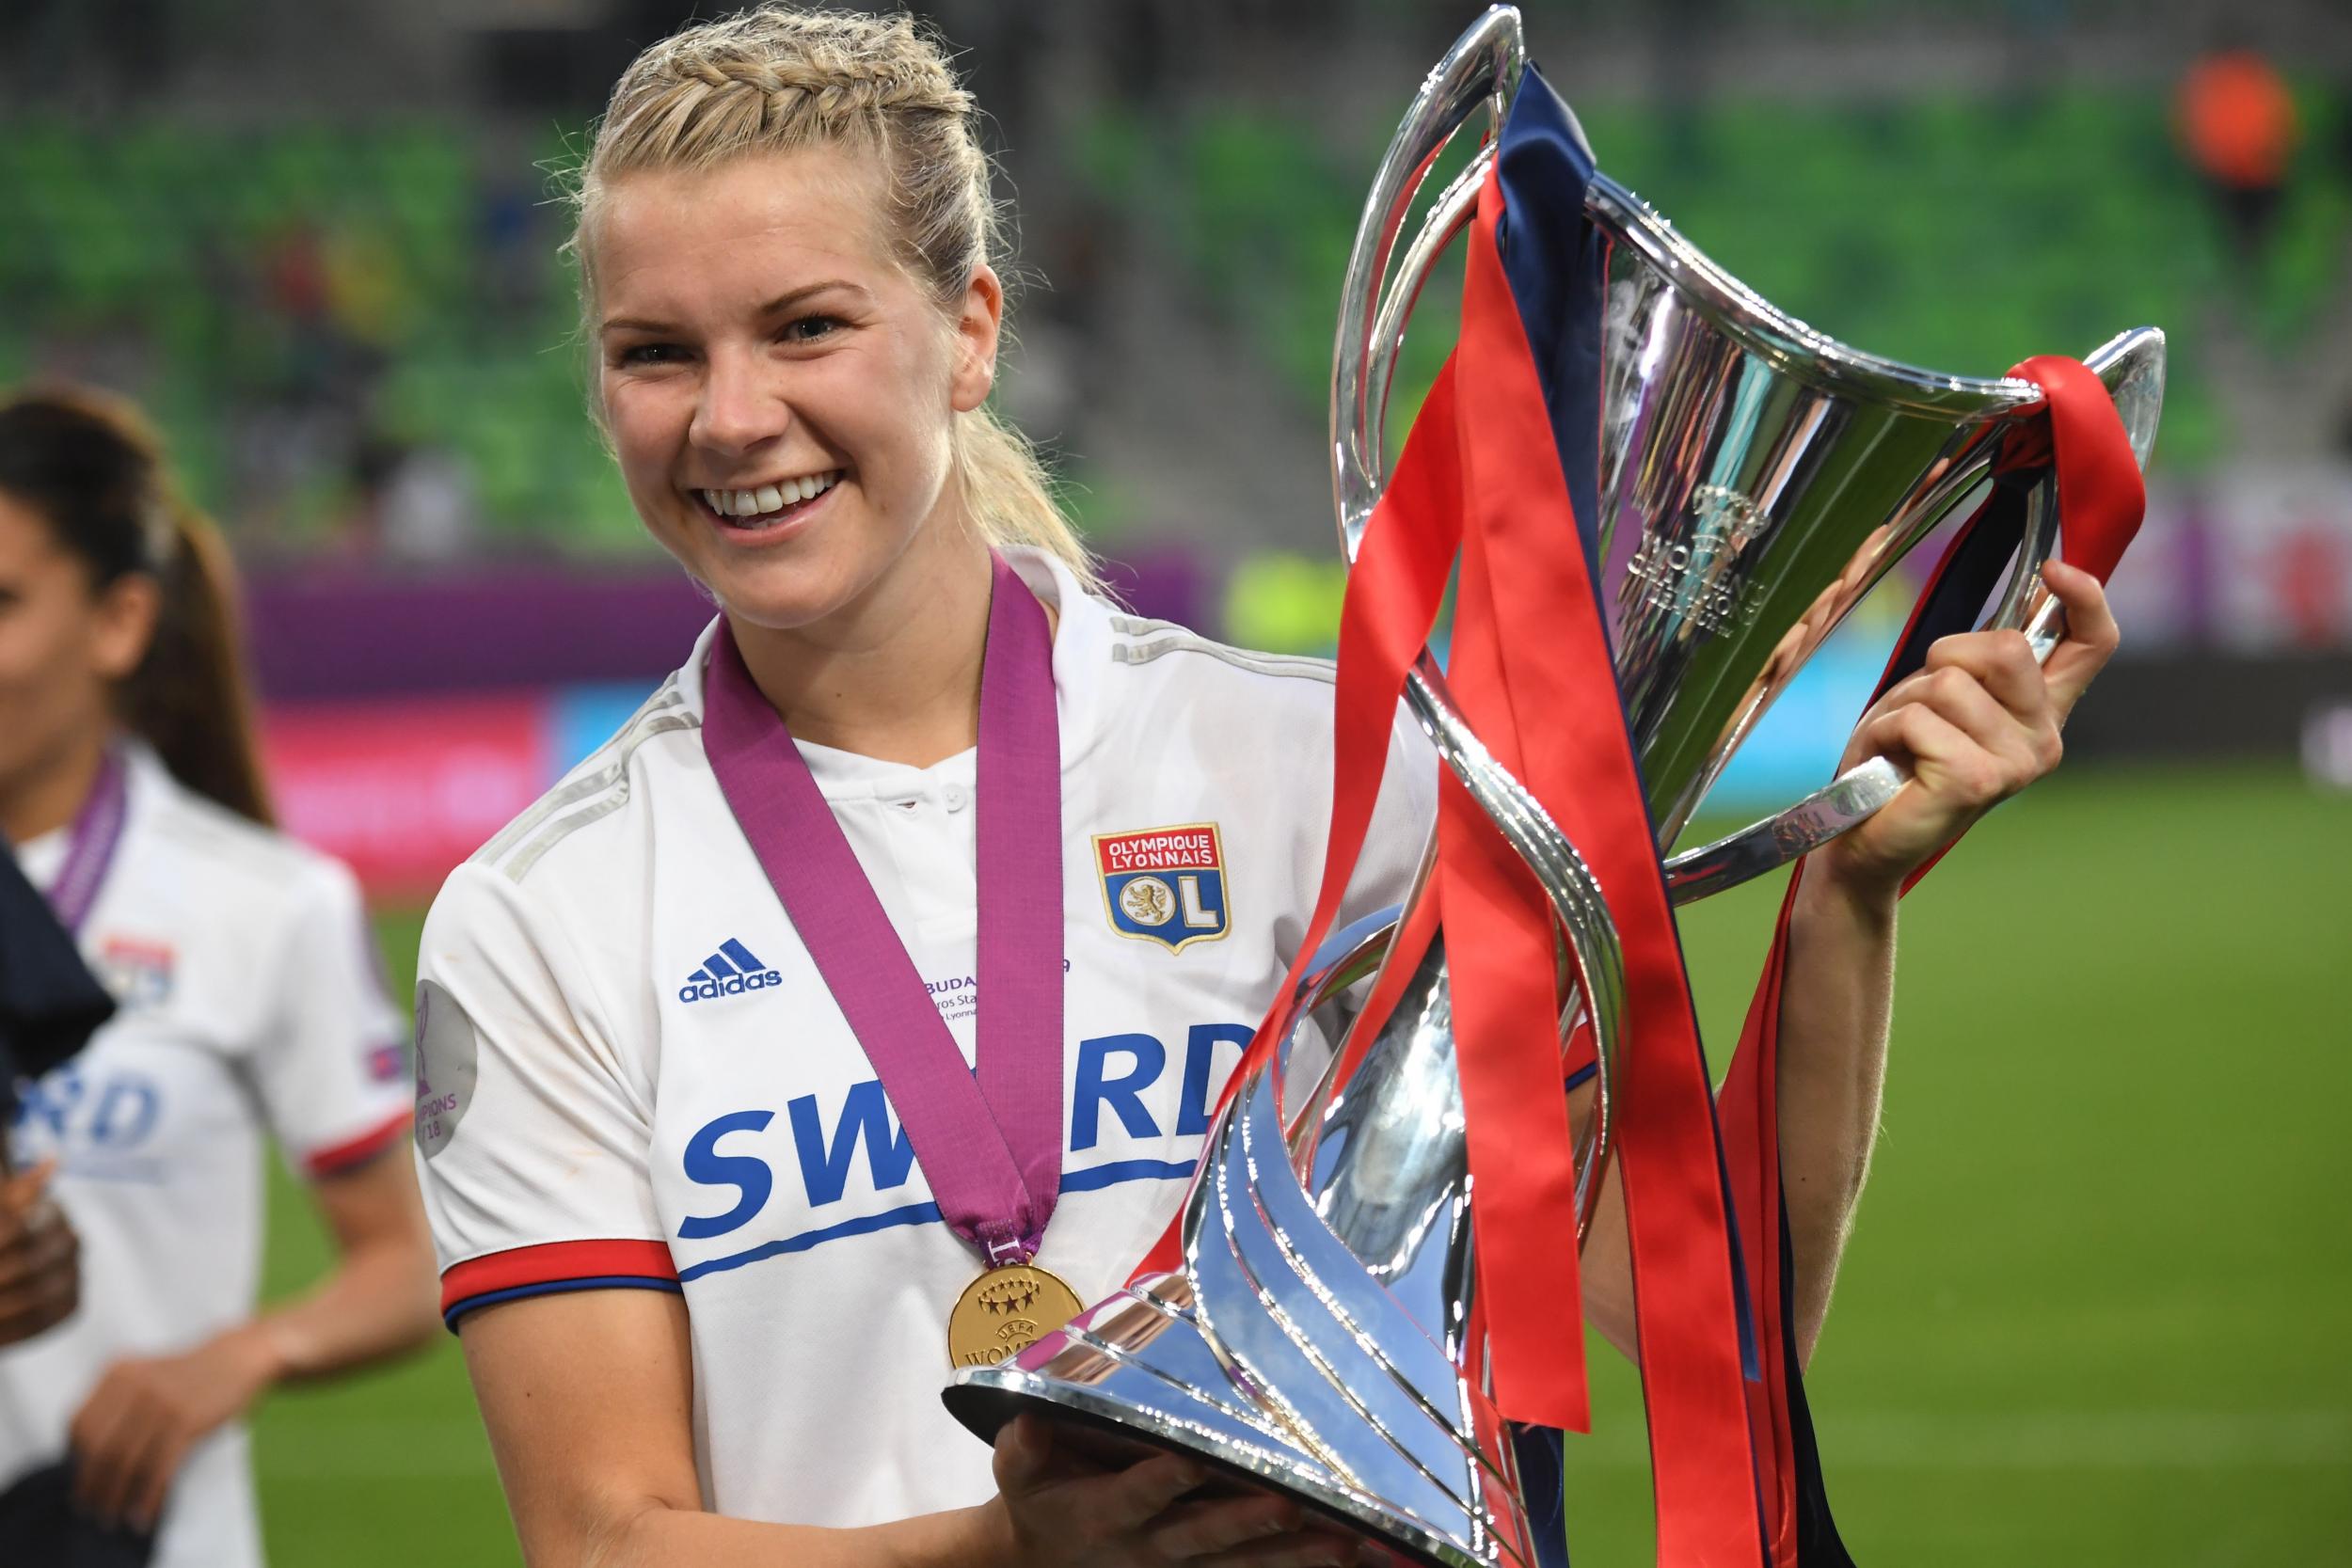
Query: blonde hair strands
778	79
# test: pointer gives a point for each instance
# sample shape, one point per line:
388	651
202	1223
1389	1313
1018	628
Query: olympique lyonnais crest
1165	884
137	970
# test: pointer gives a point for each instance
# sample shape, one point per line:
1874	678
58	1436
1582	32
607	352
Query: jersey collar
1082	652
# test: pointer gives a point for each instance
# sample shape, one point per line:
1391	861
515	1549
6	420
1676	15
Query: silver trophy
1756	479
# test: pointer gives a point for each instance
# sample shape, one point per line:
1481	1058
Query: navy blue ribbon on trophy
1555	260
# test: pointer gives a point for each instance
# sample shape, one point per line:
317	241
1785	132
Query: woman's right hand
1062	1511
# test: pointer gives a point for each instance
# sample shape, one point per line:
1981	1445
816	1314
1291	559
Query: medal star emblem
1004	1312
1011	1296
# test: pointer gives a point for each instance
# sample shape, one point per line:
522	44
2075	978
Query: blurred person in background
2237	123
251	1007
704	1325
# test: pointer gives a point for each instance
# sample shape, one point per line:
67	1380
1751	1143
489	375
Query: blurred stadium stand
320	242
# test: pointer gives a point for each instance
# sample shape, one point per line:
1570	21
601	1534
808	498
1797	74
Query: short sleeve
532	1140
328	1069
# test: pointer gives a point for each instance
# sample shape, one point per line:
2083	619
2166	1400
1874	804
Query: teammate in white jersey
249	1009
700	1256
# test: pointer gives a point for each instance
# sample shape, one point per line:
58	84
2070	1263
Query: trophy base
1134	1376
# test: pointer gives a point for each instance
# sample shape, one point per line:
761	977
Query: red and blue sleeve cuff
352	1153
552	1267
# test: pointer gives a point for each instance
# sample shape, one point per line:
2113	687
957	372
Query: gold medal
1004	1312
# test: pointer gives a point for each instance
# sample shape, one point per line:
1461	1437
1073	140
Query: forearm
1975	723
659	1537
1836	1001
378	1302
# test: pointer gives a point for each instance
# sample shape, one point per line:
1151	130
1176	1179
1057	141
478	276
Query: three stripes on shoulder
597	789
1151	639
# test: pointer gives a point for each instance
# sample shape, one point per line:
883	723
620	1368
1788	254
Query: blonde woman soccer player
249	1007
712	1171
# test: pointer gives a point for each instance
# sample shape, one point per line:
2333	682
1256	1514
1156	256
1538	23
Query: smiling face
780	391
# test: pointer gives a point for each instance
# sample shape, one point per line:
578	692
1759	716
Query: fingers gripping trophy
1660	494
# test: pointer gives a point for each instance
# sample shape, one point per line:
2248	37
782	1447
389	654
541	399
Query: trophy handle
1481	70
2131	365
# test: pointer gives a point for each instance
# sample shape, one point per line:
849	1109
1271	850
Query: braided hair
777	79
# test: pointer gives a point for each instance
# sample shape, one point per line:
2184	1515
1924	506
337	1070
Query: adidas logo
729	972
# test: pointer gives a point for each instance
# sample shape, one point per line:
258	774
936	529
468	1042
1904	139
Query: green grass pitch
2095	1309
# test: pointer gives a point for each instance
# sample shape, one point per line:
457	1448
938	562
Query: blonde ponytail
778	79
1006	491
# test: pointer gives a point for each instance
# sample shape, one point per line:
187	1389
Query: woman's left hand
136	1429
1976	724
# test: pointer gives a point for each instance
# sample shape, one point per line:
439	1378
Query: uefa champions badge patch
1165	884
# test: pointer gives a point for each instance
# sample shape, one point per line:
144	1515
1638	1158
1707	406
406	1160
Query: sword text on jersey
1124	1100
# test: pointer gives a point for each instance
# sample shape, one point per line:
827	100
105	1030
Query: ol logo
1165	884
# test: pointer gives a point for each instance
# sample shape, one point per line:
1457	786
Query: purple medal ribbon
990	1141
90	845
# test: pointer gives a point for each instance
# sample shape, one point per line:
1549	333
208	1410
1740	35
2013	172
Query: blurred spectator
411	504
2309	569
2236	120
364	288
512	261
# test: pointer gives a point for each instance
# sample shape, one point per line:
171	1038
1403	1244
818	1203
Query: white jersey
250	1007
632	1075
